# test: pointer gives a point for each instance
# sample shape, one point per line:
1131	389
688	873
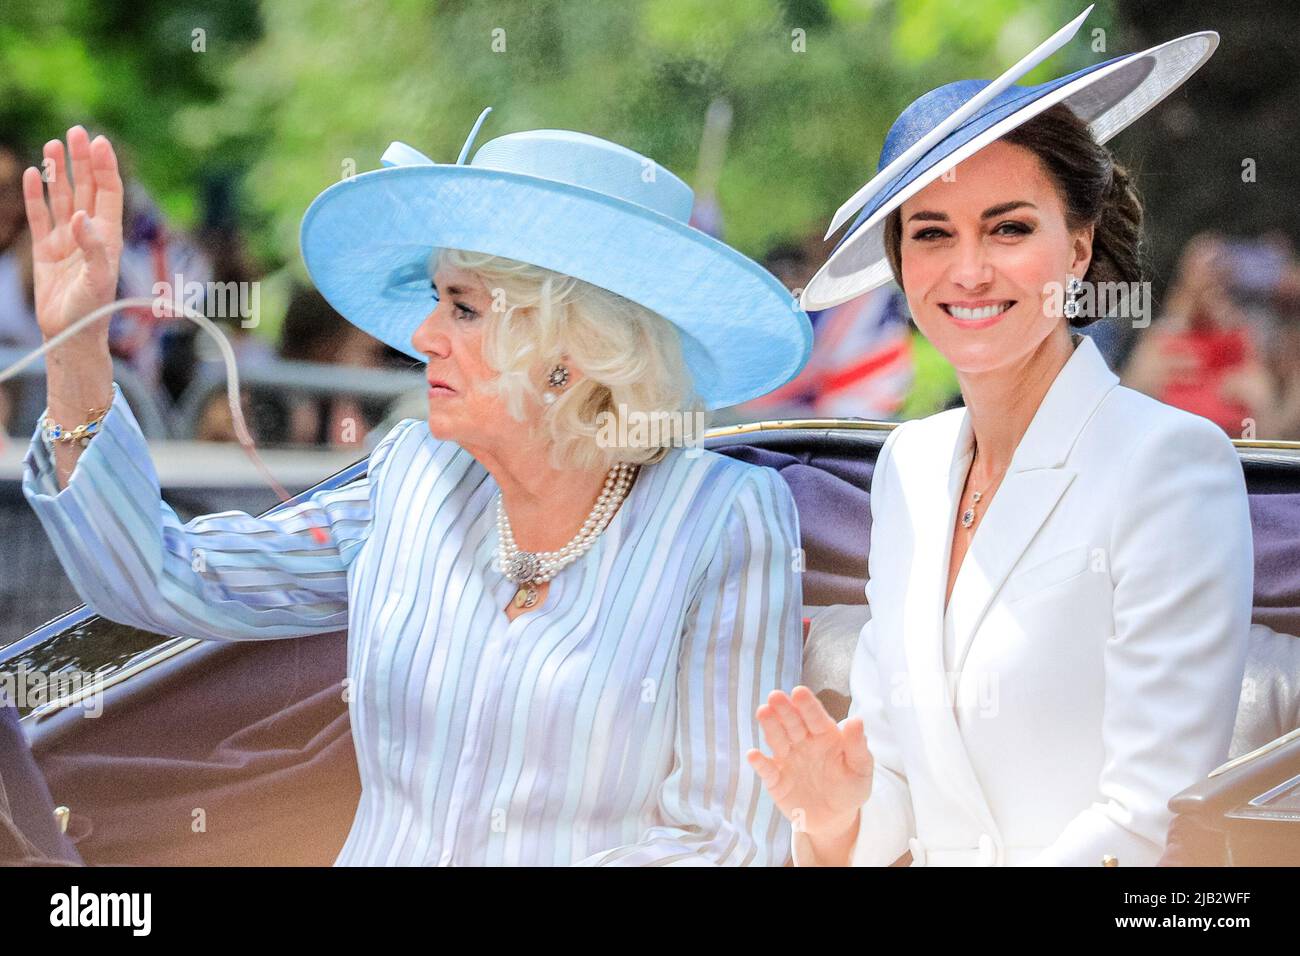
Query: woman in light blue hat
1060	575
560	611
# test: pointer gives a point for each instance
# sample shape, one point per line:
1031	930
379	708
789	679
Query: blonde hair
630	359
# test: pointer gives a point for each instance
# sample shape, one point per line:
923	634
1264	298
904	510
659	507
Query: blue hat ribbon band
399	154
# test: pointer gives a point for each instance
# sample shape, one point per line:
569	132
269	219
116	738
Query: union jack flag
861	365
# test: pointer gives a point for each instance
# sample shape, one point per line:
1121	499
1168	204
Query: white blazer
1099	625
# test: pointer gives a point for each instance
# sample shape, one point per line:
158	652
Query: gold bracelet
54	432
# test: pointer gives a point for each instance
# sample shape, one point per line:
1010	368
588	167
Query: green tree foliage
295	94
130	70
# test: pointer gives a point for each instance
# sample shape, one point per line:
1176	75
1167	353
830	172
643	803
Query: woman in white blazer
1060	572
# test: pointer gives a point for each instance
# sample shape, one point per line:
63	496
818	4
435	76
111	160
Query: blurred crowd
1225	345
169	360
1227	342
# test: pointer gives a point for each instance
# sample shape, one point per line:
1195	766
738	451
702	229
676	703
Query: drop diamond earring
1072	290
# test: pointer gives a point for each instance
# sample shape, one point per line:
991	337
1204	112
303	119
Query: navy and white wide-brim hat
955	121
569	202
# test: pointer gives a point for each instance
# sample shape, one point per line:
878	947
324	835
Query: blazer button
988	852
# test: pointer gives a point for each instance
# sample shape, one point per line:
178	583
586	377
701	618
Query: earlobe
1083	250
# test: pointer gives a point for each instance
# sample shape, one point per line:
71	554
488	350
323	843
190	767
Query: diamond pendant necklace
531	569
968	516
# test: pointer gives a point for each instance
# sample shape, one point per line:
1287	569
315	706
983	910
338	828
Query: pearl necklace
528	569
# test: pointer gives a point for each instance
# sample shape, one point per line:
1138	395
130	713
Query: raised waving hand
76	249
819	774
77	235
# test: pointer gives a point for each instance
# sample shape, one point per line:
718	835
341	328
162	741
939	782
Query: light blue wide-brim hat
953	122
569	202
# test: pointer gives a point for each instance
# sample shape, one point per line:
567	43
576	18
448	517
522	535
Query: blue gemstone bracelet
55	432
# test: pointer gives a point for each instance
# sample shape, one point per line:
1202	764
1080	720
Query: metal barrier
29	400
311	380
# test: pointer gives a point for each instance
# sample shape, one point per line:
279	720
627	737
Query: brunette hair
1095	187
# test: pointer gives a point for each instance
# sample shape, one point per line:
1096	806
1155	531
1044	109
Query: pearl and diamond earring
558	378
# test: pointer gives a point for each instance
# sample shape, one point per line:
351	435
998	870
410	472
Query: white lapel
931	482
1034	482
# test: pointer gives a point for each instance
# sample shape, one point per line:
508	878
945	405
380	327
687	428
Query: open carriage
240	753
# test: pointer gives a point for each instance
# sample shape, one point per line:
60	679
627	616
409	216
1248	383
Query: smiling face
451	339
981	255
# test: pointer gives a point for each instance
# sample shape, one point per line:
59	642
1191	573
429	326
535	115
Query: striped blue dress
609	726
